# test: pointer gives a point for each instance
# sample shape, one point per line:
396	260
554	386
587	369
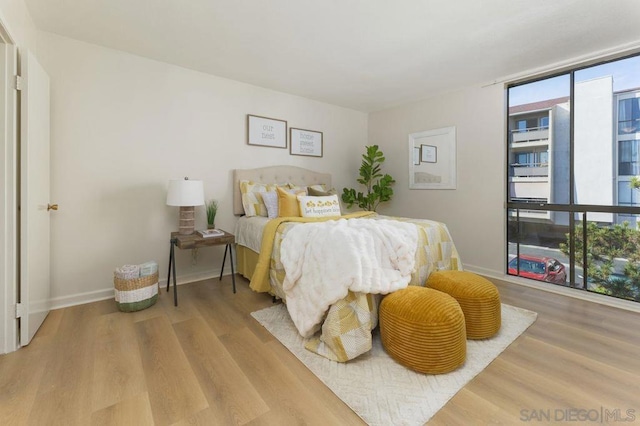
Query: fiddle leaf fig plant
378	185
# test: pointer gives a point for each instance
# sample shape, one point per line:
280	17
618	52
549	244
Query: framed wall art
437	166
264	131
429	154
305	142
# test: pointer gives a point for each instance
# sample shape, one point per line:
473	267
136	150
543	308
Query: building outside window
574	177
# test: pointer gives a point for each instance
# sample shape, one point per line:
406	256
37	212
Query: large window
629	115
629	161
580	162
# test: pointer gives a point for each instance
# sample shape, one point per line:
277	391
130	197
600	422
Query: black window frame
572	208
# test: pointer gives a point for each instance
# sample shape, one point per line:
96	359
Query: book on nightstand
207	233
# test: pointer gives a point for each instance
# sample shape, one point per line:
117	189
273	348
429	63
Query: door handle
52	207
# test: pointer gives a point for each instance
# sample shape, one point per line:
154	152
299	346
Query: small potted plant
212	209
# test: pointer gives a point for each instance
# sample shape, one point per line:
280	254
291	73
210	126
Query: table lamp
186	194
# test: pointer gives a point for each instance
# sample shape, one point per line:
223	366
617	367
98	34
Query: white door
35	288
8	200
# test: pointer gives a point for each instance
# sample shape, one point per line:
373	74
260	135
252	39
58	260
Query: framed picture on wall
437	153
305	142
264	131
429	153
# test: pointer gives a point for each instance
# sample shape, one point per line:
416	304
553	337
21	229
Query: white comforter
323	261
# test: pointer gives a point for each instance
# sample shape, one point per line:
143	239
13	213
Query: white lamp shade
185	192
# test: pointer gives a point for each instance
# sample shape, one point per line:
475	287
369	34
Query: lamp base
187	220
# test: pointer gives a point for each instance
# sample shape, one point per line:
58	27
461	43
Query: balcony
540	215
530	134
529	170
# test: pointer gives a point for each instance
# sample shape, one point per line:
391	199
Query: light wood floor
208	362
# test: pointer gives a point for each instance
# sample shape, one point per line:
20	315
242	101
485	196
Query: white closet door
35	285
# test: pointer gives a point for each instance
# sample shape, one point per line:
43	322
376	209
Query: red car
539	268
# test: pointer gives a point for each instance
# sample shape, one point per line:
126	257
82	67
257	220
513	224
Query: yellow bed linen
346	330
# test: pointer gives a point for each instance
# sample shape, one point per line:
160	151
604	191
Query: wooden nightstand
193	241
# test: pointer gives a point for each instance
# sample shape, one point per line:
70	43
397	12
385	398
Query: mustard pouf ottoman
477	296
423	329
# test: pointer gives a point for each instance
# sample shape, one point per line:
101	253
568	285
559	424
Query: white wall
123	125
474	212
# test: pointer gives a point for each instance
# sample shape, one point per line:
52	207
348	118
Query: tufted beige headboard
275	174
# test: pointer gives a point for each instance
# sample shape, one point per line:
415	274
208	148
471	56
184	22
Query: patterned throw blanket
346	328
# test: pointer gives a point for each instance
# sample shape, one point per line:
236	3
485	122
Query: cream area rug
381	391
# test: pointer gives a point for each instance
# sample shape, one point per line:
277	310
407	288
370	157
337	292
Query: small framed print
416	155
428	154
305	142
264	131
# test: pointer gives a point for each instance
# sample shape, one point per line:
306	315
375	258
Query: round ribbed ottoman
477	296
423	329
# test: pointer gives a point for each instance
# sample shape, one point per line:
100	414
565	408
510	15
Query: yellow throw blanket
260	278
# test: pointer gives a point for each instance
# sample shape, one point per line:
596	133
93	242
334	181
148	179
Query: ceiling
366	55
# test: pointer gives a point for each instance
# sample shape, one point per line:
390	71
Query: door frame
8	193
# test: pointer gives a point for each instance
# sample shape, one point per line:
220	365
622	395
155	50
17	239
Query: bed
339	328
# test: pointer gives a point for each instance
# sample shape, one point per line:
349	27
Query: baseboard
557	289
107	293
81	298
484	271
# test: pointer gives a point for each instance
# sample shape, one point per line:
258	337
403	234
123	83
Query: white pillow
319	206
270	200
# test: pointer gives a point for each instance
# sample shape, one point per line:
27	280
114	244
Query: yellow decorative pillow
253	205
319	206
288	202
